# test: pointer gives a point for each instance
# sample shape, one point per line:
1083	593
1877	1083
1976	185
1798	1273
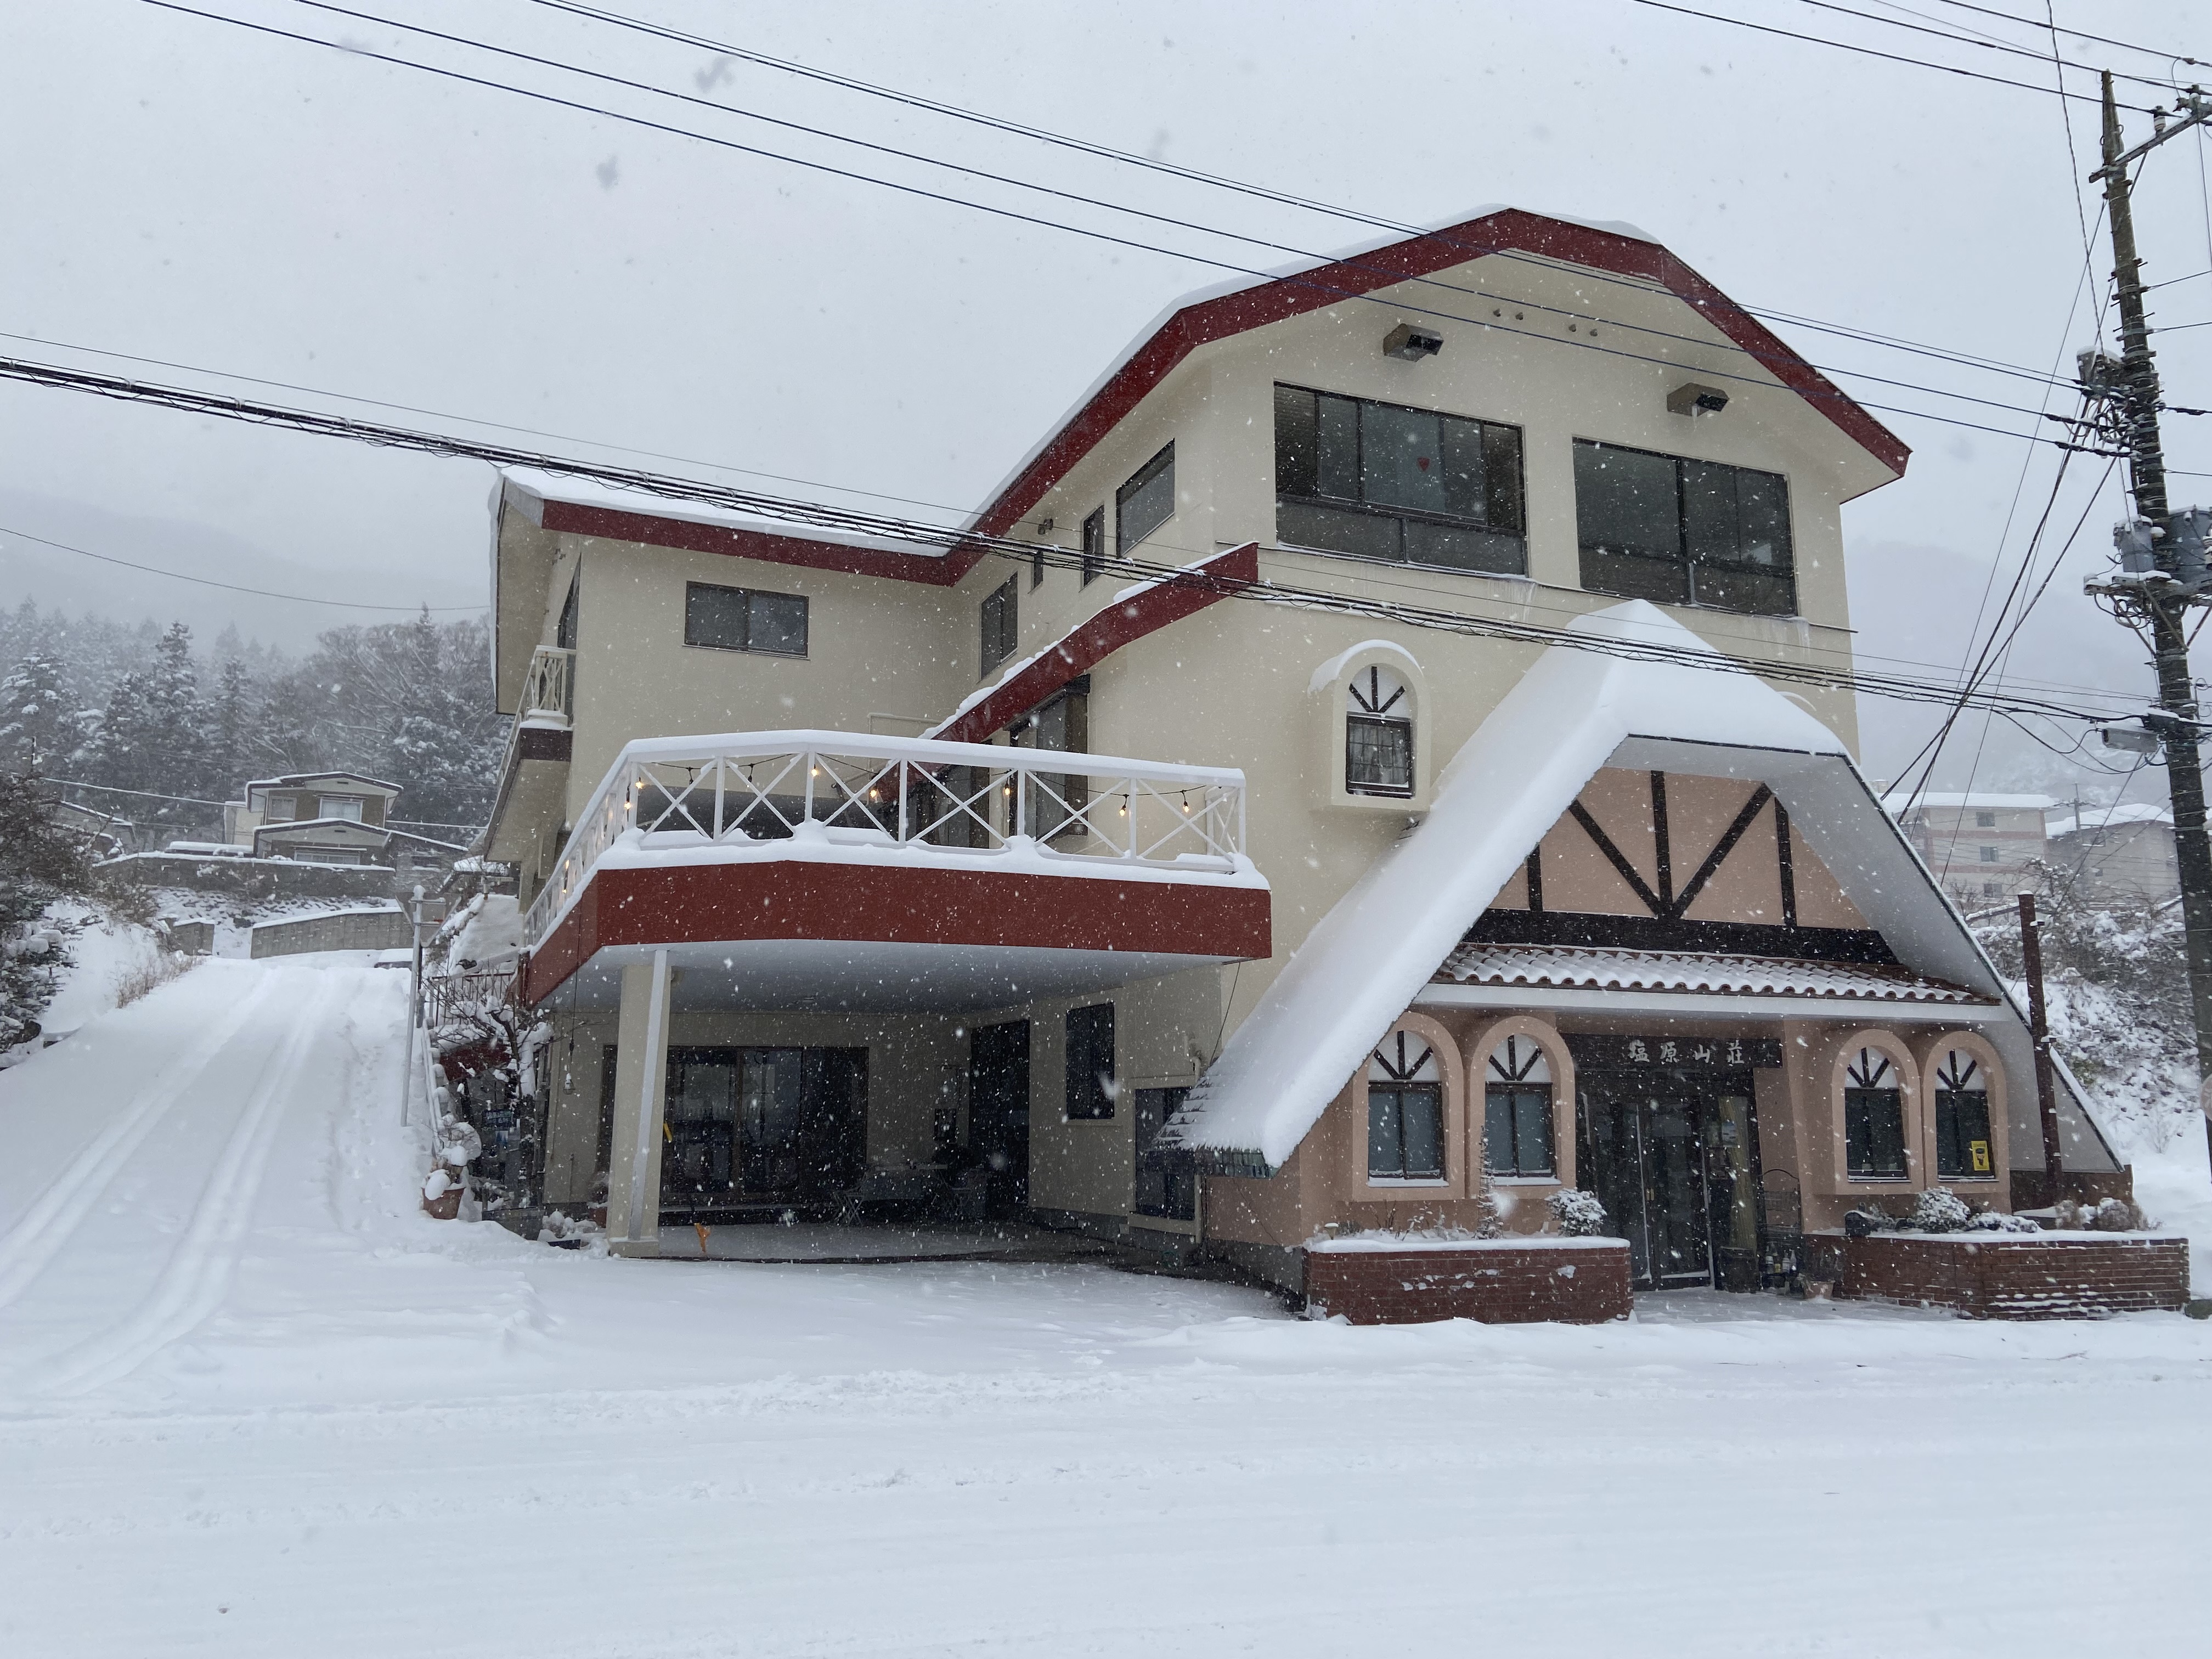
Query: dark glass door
1644	1153
749	1126
998	1114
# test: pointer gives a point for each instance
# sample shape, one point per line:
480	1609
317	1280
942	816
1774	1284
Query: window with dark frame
1094	546
1145	502
1091	1062
745	619
1873	1119
1964	1150
999	622
564	634
1036	568
1679	531
1378	735
1517	1137
1061	724
1409	485
1405	1112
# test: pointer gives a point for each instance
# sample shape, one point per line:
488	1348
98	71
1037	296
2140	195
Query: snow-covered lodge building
1444	829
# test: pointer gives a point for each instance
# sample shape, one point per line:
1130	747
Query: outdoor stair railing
977	799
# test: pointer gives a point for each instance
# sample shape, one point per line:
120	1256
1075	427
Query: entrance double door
1674	1157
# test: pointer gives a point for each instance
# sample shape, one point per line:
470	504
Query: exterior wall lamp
1412	343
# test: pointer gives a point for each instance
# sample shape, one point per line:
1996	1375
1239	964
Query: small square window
1992	890
1989	854
1985	820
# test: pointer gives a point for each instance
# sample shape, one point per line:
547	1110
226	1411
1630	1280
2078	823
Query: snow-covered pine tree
38	727
40	862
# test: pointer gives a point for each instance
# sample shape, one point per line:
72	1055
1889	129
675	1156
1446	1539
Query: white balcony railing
965	800
545	690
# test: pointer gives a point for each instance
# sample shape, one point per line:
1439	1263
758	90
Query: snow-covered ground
252	1402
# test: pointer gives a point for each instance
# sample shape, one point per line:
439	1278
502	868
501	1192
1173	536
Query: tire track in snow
61	1209
198	1272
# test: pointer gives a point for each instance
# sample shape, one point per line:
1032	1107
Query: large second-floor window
999	622
1682	531
745	619
1406	484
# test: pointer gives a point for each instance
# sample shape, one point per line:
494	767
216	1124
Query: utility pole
2163	571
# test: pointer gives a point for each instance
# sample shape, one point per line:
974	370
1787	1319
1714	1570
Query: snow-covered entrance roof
1579	709
1564	967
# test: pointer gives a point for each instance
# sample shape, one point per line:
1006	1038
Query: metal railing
447	996
679	795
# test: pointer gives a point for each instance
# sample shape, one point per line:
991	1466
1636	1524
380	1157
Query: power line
2079	34
209	581
1870	51
823	515
1013	182
1335	292
1262	192
1985	45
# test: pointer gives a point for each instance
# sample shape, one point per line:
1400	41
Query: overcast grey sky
189	191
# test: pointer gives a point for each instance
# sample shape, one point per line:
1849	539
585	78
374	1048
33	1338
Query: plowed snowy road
252	1402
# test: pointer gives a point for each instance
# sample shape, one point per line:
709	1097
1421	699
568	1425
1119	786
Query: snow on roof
584	492
2117	816
1899	800
1580	968
1365	961
294	780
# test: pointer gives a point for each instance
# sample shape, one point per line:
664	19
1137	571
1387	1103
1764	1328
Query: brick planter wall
1578	1282
2021	1276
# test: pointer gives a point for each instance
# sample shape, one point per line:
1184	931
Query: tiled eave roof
1565	968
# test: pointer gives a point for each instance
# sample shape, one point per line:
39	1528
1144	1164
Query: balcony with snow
833	870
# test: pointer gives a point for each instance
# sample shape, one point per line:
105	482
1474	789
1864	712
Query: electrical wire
1352	263
1870	51
1815	395
2079	34
823	515
1986	45
1086	147
234	588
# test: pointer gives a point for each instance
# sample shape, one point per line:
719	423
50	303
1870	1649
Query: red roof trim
1167	600
615	524
1249	308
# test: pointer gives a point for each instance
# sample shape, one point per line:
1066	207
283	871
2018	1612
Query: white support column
641	1094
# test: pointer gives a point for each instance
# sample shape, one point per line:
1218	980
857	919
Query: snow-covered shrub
1939	1210
1579	1214
2110	1215
1997	1221
39	863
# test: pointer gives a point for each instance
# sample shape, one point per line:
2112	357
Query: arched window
1378	734
1874	1118
1404	1111
1516	1135
1963	1147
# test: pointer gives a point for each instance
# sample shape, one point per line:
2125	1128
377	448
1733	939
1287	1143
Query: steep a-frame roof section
1219	314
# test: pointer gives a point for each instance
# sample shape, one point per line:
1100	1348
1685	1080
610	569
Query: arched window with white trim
1404	1111
1874	1117
1964	1148
1517	1131
1378	734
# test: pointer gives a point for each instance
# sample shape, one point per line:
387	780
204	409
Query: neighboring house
1217	914
311	834
2123	851
1978	845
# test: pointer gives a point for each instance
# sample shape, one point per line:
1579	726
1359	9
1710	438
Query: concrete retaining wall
343	930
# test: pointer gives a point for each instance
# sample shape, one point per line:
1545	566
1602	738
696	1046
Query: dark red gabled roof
1315	288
